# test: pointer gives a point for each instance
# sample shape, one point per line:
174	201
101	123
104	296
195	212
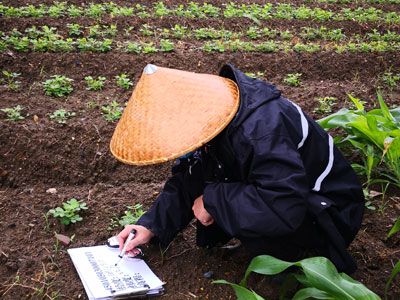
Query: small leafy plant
123	81
292	79
320	279
95	84
13	114
69	212
58	86
131	216
112	111
13	84
62	115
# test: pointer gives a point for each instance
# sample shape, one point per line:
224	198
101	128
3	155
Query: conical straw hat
171	113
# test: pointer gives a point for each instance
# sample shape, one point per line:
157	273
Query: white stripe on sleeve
304	125
328	168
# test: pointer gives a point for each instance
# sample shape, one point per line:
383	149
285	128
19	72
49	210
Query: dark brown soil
74	158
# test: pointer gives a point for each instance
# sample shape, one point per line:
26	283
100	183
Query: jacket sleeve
172	211
271	200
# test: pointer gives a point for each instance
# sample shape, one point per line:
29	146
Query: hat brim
172	113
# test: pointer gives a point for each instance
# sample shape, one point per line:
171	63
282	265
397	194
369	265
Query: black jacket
272	168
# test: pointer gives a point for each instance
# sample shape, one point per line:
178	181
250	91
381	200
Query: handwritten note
103	280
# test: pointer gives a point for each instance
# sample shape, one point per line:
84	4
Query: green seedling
112	111
13	114
92	105
123	81
69	212
131	216
146	30
390	79
74	29
62	115
292	79
167	45
56	244
149	48
325	105
58	86
253	75
95	84
13	84
320	279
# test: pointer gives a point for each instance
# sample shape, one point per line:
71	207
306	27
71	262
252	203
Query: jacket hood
253	92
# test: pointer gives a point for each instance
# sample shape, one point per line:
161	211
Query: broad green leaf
312	293
241	292
395	270
384	108
395	228
356	102
323	275
267	265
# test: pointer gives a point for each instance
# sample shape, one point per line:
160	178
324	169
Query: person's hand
200	212
142	236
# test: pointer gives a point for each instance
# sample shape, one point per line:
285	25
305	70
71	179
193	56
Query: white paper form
102	279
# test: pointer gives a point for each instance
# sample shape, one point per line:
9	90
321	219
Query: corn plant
378	128
69	212
13	114
95	84
320	279
395	270
61	116
58	86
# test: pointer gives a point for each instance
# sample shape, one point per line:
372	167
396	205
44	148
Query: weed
13	84
123	81
325	105
55	246
46	222
292	79
58	86
62	115
112	111
95	84
69	212
13	114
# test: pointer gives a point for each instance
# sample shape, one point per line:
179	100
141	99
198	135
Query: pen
130	237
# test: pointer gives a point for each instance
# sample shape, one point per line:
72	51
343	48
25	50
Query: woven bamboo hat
171	113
